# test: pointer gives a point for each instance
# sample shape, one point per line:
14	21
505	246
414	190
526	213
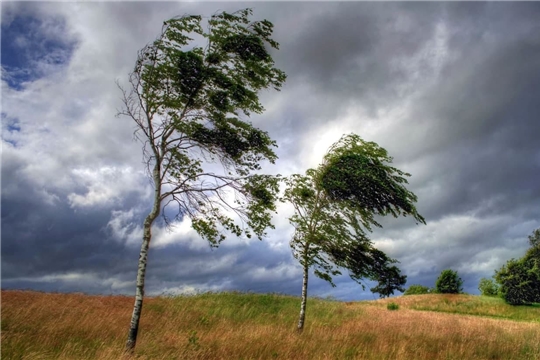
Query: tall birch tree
190	104
335	207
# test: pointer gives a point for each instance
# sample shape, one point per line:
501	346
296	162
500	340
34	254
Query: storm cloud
449	89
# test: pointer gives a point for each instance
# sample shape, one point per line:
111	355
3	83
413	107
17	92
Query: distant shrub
449	282
417	290
488	287
392	306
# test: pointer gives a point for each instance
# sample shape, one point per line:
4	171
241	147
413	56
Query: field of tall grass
262	326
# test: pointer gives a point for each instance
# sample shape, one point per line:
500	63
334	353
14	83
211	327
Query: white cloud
124	227
284	272
189	289
106	185
179	233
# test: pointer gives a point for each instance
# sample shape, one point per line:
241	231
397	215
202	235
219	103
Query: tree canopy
187	101
449	282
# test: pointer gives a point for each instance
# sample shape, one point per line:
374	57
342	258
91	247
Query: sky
449	89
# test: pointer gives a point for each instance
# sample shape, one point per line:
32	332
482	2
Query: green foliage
389	281
449	283
417	290
376	266
356	172
392	306
519	279
488	287
190	104
331	219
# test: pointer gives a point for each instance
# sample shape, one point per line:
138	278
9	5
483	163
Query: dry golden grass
250	326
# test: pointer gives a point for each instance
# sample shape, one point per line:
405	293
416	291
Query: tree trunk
304	298
143	257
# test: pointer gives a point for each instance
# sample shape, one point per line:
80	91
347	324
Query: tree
335	206
417	290
519	282
449	283
488	287
190	105
519	279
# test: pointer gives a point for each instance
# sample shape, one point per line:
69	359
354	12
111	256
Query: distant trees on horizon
517	281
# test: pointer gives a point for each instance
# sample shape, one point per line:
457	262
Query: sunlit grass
263	326
469	304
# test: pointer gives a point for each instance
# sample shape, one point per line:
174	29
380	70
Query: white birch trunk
304	294
143	258
304	300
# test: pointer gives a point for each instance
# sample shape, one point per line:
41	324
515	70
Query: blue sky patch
33	47
10	128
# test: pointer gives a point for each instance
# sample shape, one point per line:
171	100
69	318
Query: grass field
262	326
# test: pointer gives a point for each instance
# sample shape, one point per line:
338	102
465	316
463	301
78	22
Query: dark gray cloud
449	89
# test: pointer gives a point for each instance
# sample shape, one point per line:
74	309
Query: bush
392	306
520	282
449	282
519	279
488	287
417	290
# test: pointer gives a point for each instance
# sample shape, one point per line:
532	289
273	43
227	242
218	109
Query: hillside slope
262	326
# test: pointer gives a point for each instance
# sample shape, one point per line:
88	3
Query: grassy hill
262	326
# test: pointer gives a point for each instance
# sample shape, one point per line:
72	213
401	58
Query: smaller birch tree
335	207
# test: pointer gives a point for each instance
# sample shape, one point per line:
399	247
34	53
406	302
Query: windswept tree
335	208
190	104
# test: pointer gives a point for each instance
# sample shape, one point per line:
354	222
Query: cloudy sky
451	90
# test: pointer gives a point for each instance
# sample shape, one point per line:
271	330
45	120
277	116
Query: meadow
263	326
